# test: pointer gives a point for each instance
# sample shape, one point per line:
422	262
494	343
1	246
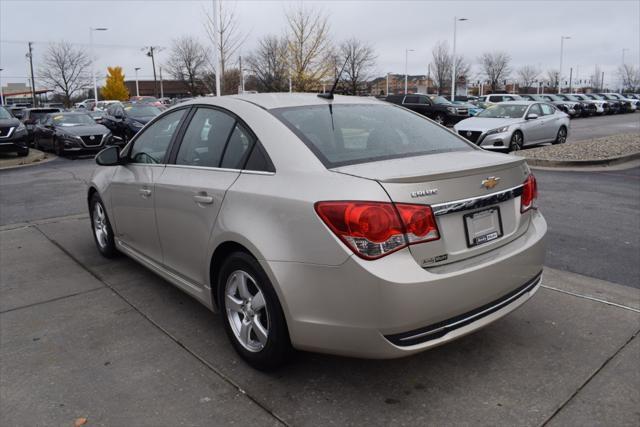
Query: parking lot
85	337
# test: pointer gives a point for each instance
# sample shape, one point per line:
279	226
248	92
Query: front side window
341	134
206	136
151	146
535	109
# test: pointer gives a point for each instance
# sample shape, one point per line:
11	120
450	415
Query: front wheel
516	141
440	119
251	312
58	148
101	227
561	137
24	152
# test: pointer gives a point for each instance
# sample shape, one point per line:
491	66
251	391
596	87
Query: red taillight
375	229
529	193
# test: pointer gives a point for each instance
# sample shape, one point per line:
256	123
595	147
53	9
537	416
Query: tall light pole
387	92
216	52
406	66
93	67
453	59
137	87
1	93
562	39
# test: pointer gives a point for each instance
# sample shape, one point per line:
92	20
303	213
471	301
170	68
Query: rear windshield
346	134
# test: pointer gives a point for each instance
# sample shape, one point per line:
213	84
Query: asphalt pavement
595	127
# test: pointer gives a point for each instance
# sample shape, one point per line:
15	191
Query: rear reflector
375	229
529	193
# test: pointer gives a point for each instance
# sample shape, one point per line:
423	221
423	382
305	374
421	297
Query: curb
39	158
572	163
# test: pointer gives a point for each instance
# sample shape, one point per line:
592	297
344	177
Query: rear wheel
439	119
516	141
561	137
251	312
23	152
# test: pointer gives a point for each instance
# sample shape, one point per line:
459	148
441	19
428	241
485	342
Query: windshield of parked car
38	115
4	114
594	96
142	111
342	134
504	111
73	120
571	98
439	100
553	97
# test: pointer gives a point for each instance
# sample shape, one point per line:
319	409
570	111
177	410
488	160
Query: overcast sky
528	30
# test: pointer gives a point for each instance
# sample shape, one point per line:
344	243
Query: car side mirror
532	116
110	156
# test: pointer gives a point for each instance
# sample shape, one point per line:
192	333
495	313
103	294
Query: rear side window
239	145
346	134
204	141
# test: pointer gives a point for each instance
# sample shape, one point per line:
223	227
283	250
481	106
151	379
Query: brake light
375	229
529	193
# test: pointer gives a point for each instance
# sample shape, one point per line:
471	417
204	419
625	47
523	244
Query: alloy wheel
100	225
516	142
562	136
247	311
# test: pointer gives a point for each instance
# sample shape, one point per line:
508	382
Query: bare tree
528	74
553	77
629	76
65	69
310	53
596	78
495	66
187	62
269	64
441	65
360	61
226	37
463	69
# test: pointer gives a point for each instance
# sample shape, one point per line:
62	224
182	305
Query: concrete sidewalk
82	336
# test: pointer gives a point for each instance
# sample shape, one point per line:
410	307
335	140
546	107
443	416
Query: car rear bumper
363	308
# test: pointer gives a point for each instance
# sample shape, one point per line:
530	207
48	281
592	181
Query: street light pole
93	67
562	39
137	87
406	72
453	59
387	92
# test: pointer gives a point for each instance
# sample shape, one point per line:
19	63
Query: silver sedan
348	225
514	124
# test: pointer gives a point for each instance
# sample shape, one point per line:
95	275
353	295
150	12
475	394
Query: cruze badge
424	193
490	182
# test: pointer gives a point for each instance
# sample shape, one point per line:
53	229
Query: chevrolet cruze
349	226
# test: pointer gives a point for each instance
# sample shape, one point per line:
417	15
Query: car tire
101	228
57	148
516	142
23	152
440	119
257	332
561	137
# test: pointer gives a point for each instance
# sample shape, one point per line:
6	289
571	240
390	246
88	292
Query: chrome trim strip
493	308
8	135
211	168
476	202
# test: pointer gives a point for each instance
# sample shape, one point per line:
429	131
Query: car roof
269	101
519	102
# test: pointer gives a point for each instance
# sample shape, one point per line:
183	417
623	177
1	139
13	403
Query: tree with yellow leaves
114	88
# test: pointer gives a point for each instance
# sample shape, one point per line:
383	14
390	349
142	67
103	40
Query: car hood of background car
485	123
5	123
83	130
144	119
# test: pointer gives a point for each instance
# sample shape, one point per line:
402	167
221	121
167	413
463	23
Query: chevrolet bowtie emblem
490	182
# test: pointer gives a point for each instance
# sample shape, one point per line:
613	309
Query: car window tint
203	142
411	100
237	148
423	100
547	109
258	160
535	109
152	144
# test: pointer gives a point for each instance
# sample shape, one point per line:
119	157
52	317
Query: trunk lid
441	179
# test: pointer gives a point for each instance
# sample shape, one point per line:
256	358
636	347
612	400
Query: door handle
145	192
203	199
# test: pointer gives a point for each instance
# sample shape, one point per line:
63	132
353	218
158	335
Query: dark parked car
70	133
626	105
16	111
614	105
32	116
435	107
13	134
125	121
583	107
564	106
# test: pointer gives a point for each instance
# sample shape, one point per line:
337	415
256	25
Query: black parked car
582	108
125	121
32	116
13	134
435	107
614	105
625	104
15	111
71	133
